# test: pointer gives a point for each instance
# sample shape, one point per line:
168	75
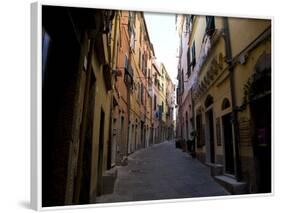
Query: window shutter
126	63
140	58
186	24
191	18
142	66
129	23
188	62
207	23
141	94
145	61
182	83
131	71
132	39
193	55
210	25
155	101
212	22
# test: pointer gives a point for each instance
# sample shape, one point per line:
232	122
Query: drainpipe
84	124
114	49
235	127
128	86
113	66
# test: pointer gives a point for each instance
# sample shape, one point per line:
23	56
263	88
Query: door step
231	184
108	180
215	169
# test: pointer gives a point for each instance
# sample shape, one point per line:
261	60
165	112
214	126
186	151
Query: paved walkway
162	172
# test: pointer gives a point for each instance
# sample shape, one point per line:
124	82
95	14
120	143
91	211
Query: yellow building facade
226	59
97	98
76	98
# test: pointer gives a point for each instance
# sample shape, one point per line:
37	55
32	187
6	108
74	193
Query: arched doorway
227	137
259	96
210	128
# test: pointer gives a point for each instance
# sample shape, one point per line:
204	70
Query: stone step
109	178
231	184
215	169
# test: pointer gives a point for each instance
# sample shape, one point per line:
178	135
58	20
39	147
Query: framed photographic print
131	105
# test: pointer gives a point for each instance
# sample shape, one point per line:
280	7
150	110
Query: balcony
215	65
129	76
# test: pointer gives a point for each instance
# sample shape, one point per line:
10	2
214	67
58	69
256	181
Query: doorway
210	127
100	157
142	134
132	141
228	143
122	139
87	147
210	122
83	176
114	142
186	126
261	115
136	135
60	71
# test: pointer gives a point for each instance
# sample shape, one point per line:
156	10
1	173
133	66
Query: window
193	56
129	72
131	22
134	18
182	81
132	40
126	63
141	93
225	104
191	18
144	61
140	35
209	101
155	102
178	92
140	58
46	41
191	22
179	85
186	24
210	25
142	64
188	62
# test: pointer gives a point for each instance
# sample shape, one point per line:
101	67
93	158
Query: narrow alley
162	172
131	83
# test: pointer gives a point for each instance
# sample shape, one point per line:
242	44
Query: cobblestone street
162	172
